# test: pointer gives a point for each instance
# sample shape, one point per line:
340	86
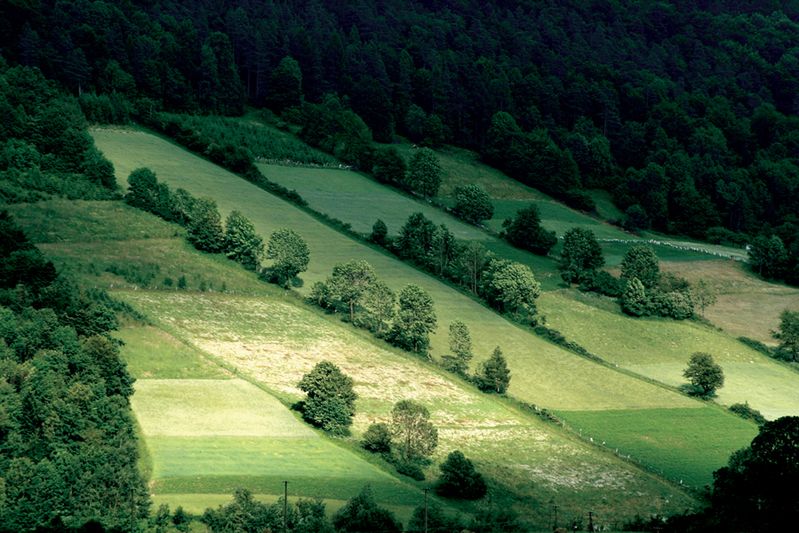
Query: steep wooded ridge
684	110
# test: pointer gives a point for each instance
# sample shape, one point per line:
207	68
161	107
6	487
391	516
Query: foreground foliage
69	451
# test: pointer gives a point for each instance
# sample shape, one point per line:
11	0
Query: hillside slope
542	373
209	428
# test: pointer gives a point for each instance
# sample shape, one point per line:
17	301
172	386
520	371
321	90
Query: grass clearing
360	201
747	305
72	221
153	353
206	435
212	408
660	348
691	443
518	452
543	373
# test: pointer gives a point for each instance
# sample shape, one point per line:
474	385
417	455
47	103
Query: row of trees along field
686	111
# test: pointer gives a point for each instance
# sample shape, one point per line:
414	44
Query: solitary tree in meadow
330	401
704	374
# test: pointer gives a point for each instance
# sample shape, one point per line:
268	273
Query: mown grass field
360	201
543	374
634	430
207	431
747	306
516	450
660	349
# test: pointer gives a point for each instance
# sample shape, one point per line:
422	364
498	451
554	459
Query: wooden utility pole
285	505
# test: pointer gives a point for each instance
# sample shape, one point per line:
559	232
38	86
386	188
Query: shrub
525	231
377	438
459	479
746	412
473	204
601	282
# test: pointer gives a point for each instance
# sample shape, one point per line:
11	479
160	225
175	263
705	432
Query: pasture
517	451
206	431
682	459
542	373
660	348
545	374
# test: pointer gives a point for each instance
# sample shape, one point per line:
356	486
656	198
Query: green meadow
542	373
208	432
633	431
215	370
660	348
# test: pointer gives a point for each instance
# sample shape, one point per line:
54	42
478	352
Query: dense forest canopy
686	110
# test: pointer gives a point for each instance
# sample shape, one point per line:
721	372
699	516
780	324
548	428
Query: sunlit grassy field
634	431
207	431
514	449
660	349
543	374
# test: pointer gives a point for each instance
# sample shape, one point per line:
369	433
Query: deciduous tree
581	255
704	374
511	287
459	479
641	262
525	231
348	284
330	401
473	204
424	173
289	254
205	226
413	435
788	335
242	243
415	320
361	514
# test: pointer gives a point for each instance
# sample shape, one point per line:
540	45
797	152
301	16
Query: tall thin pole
425	510
285	505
